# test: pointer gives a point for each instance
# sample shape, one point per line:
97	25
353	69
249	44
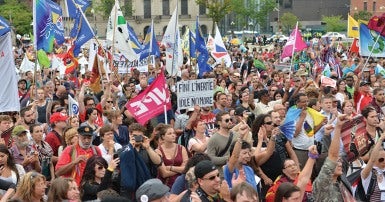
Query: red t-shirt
53	141
361	100
67	157
99	120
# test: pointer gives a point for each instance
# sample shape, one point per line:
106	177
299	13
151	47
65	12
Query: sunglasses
227	120
100	167
380	160
212	177
110	101
269	123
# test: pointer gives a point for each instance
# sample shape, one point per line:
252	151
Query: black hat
239	111
151	190
204	167
85	130
363	83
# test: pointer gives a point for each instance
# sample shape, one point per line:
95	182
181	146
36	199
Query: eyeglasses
269	123
227	120
110	101
212	177
380	160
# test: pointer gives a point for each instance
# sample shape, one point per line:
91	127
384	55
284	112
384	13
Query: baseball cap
18	130
204	167
85	130
151	190
58	116
239	111
363	83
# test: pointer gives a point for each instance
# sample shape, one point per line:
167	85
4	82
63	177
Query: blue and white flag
71	6
135	44
367	42
4	26
82	31
9	98
73	106
150	45
203	54
192	44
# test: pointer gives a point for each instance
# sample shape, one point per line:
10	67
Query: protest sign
195	92
326	81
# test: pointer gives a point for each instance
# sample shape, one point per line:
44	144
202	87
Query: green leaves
18	14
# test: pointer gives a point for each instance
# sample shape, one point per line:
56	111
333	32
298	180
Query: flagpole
175	42
371	52
292	54
113	42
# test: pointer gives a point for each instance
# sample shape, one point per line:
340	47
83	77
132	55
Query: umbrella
236	41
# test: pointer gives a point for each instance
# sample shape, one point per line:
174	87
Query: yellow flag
318	118
352	27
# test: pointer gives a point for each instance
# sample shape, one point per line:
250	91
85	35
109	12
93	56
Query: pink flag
296	40
149	103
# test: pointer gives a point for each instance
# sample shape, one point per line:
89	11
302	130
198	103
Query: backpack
360	192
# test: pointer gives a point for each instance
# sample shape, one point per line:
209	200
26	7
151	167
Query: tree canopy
217	9
334	23
19	15
288	21
362	15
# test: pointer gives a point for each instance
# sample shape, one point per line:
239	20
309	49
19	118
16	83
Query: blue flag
150	46
71	6
4	26
367	42
83	32
135	44
203	54
47	24
192	44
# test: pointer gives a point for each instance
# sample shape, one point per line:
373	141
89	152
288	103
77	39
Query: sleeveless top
42	113
176	161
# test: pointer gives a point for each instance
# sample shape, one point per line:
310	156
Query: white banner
195	92
9	99
73	106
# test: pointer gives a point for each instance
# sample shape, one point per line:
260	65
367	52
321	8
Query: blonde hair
69	134
26	186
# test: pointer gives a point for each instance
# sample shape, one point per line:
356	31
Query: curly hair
136	127
25	188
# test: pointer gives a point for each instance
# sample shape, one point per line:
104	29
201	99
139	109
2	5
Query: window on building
365	6
184	7
204	30
147	8
202	10
166	7
374	6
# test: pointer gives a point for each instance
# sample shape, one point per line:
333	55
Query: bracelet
110	169
313	156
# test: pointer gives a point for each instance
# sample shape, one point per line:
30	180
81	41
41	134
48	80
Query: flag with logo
117	33
72	6
95	76
150	45
47	25
171	41
9	98
377	24
295	40
4	26
219	53
82	31
73	106
186	42
352	27
203	54
379	70
210	43
70	61
367	42
147	104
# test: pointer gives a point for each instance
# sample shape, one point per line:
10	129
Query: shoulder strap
223	152
94	150
372	184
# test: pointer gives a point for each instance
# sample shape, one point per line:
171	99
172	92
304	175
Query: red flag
95	76
355	46
149	103
377	24
70	61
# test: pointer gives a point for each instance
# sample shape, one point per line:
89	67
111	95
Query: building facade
376	7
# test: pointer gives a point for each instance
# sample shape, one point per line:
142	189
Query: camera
138	138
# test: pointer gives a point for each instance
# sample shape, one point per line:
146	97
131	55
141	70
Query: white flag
27	65
117	33
171	40
210	43
9	99
73	106
219	51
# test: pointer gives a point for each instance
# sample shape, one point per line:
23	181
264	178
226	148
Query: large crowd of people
248	146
